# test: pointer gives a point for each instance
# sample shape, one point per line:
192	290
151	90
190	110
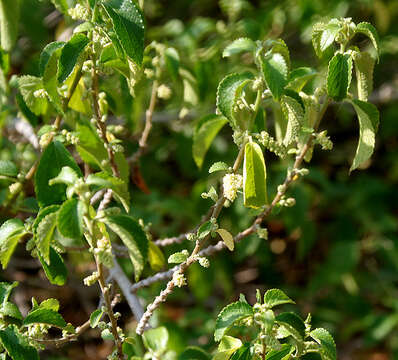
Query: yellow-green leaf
227	238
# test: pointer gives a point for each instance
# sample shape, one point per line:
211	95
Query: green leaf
227	238
368	117
16	345
129	26
254	176
61	6
5	291
328	346
177	258
51	304
27	86
70	219
11	310
156	339
317	31
275	71
53	159
66	176
204	134
42	213
229	315
46	54
370	31
364	65
44	235
204	229
294	115
339	76
133	236
10	232
282	354
155	257
311	356
193	353
238	46
56	271
9	20
242	354
218	166
328	34
26	112
275	297
8	168
172	60
300	77
229	343
45	316
96	317
228	91
70	55
292	323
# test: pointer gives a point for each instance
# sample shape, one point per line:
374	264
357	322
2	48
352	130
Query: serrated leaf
229	315
328	35
368	117
275	70
55	271
95	318
204	134
177	258
292	323
44	235
16	345
8	168
282	354
317	31
70	219
238	46
129	26
46	54
370	31
9	21
275	297
228	91
70	54
294	115
156	339
51	304
218	166
193	353
339	76
10	232
364	65
254	176
45	316
11	310
66	176
42	213
227	238
155	257
27	86
133	236
328	346
53	159
5	291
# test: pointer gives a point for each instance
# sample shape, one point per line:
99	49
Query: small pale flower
232	183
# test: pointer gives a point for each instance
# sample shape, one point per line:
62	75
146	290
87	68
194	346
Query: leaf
275	297
204	229
292	323
227	238
16	345
364	65
70	54
172	60
294	115
42	213
129	26
10	232
24	109
53	159
51	304
95	318
46	54
5	291
11	310
229	315
218	166
44	235
156	339
328	346
70	219
193	353
27	86
283	354
242	354
155	257
9	20
300	77
177	258
228	91
238	46
328	35
275	71
66	176
254	176
370	31
56	271
133	236
204	134
228	342
45	316
317	31
8	168
368	117
61	6
339	76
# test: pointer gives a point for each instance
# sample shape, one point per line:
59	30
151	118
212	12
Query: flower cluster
271	144
231	184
